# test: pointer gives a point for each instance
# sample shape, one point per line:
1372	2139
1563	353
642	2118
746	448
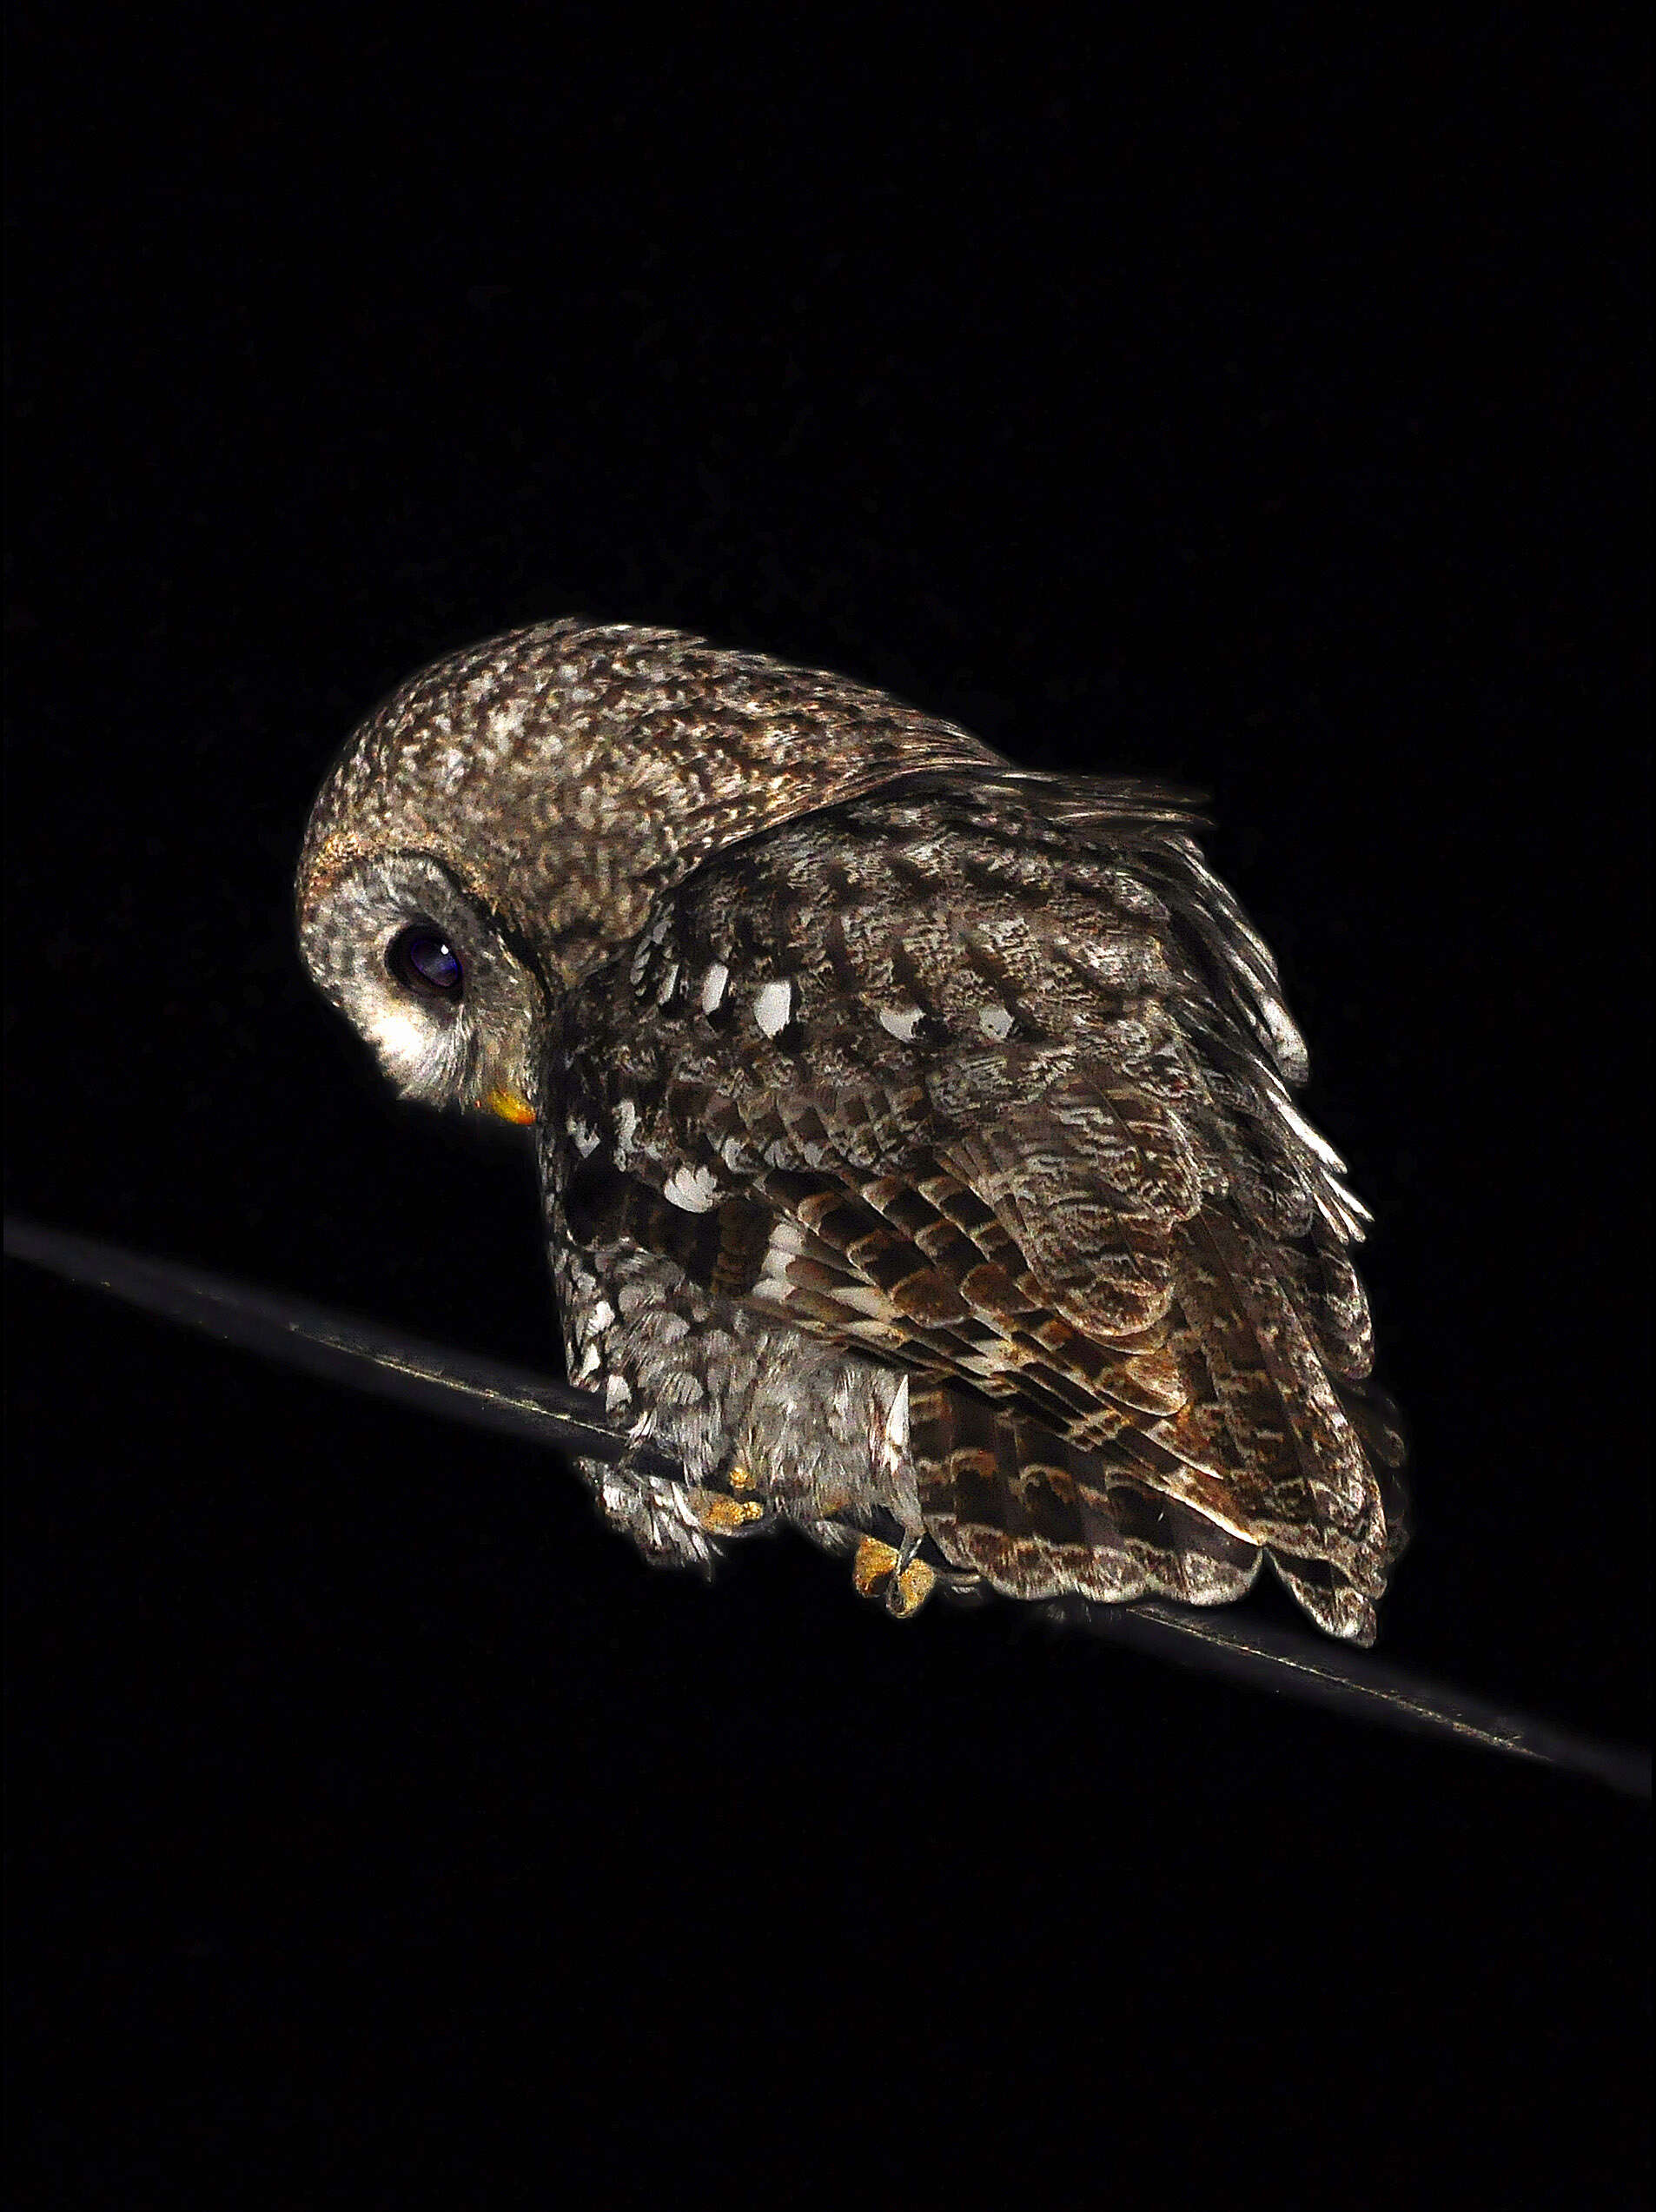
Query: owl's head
423	968
500	826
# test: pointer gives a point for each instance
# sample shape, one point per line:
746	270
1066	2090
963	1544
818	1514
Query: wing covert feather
1002	1098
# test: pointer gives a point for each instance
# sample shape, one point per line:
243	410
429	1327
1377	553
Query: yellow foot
723	1516
875	1574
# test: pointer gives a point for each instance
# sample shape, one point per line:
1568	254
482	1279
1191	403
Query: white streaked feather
772	1007
693	1190
862	1298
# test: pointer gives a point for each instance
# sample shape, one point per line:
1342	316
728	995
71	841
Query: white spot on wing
626	1121
901	1021
668	984
995	1021
692	1189
772	1007
897	1421
785	1245
712	986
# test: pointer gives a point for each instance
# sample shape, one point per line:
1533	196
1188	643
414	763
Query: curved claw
880	1571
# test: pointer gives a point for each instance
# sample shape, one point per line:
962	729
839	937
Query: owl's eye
422	961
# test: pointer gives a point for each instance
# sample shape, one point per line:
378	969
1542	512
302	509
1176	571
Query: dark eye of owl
423	961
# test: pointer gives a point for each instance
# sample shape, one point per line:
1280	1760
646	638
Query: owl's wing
1001	1096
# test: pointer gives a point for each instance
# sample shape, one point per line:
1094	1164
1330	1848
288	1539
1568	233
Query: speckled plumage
918	1155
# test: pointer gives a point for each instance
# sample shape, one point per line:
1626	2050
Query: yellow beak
509	1107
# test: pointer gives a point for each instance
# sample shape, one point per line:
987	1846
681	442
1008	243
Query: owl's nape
919	1159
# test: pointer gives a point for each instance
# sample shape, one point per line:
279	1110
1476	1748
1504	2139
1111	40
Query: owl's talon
909	1590
872	1567
723	1516
895	1579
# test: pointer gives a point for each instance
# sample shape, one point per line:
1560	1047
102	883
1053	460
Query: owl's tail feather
1313	1458
1038	1519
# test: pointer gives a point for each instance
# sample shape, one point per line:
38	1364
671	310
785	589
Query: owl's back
986	1083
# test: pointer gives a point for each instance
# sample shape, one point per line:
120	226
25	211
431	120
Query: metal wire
490	1393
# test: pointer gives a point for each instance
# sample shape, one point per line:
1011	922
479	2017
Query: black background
1263	410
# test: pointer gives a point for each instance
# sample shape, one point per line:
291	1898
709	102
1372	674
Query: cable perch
490	1393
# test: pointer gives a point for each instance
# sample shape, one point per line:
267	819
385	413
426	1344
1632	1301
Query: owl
917	1146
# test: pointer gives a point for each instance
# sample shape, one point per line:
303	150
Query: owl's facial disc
427	976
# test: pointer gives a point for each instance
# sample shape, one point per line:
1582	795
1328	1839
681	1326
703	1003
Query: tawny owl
919	1157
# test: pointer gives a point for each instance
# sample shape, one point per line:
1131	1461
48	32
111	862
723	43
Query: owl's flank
919	1157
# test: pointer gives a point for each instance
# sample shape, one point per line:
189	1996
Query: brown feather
1063	1188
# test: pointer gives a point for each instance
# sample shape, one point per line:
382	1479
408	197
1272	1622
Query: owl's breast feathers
990	1082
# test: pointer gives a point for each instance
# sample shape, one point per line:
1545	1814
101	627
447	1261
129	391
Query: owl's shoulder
928	867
